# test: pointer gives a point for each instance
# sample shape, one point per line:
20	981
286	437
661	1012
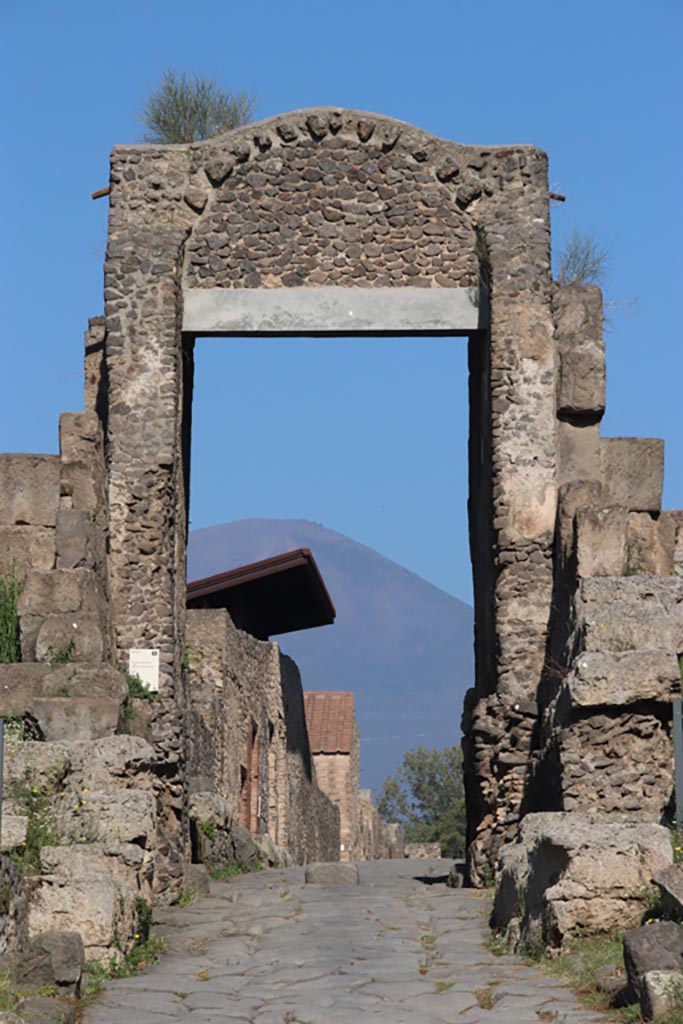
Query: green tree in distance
185	109
427	796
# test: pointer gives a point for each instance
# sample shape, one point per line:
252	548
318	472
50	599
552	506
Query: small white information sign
144	662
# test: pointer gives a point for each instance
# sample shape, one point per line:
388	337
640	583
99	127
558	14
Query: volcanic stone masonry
339	222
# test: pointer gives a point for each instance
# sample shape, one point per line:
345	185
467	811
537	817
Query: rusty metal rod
553	195
101	192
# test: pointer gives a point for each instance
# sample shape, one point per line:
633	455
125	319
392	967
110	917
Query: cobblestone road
267	949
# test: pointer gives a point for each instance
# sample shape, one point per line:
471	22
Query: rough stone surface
127	863
25	683
661	993
23	548
632	472
332	873
573	871
619	678
248	738
76	718
268	948
653	947
670	884
577	312
53	958
97	906
14	829
13	908
29	485
338	198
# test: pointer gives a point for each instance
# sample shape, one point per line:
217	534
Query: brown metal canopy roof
281	594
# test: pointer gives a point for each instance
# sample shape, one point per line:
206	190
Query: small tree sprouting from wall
583	260
184	109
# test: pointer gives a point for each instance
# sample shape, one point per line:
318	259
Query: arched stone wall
337	199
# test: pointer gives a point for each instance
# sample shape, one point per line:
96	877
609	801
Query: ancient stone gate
334	221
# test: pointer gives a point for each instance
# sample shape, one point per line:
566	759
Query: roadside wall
247	737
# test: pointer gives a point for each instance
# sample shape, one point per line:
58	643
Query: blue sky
371	436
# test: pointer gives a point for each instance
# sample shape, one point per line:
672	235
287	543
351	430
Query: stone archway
289	226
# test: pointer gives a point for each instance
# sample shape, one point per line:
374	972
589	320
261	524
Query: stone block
81	488
661	994
14	829
578	452
43	765
61	590
581	387
47	1010
24	683
97	906
421	850
632	470
577	311
650	545
127	863
26	547
75	634
111	816
29	490
79	435
570	872
53	958
13	908
197	877
623	677
332	873
272	854
670	884
94	360
73	719
653	947
78	540
631	613
676	519
601	541
114	762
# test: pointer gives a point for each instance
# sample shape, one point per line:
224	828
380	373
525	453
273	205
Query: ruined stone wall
244	694
603	739
341	198
377	839
13	909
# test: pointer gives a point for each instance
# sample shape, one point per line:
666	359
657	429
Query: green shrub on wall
9	619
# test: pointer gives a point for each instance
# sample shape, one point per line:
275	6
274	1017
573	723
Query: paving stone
265	948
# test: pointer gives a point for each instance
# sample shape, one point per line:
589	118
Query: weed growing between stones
187	896
11	995
10	649
63	655
585	961
145	951
498	944
486	997
36	804
220	873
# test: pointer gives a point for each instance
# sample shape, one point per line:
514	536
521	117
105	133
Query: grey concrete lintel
334	310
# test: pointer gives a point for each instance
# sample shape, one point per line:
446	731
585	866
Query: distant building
335	746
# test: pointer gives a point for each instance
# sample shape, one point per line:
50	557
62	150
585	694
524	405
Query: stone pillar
520	408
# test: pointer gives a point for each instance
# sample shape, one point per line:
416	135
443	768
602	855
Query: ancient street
266	948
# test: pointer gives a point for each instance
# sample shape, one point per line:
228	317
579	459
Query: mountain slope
401	644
